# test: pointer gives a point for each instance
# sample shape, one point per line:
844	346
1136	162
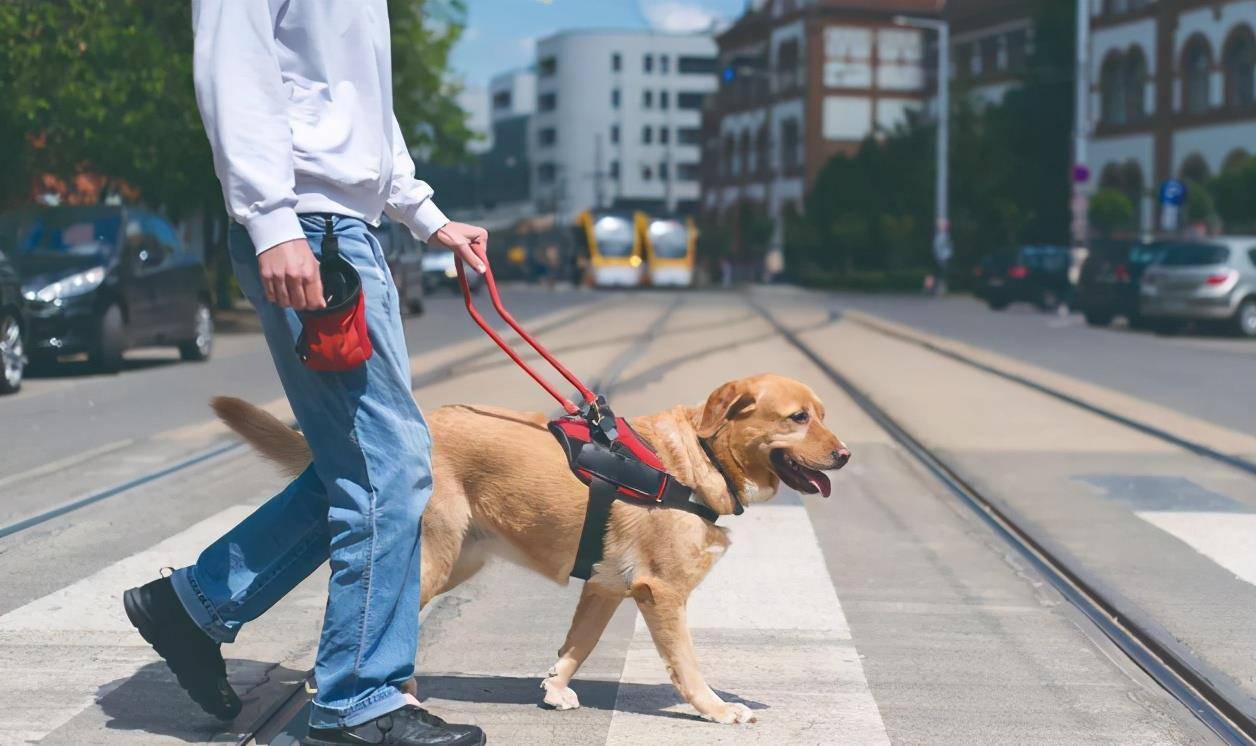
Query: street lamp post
942	249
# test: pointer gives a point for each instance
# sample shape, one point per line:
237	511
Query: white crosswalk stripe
1229	539
769	628
61	652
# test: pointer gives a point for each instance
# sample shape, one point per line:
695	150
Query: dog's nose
840	457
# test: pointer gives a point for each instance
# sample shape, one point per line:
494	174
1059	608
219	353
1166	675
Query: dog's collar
738	508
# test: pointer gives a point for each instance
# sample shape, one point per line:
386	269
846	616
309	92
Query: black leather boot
193	657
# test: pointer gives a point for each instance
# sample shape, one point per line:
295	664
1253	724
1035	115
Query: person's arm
241	96
410	203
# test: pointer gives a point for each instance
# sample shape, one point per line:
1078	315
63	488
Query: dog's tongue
820	481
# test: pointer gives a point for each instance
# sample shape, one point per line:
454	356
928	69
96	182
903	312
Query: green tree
1111	210
1235	195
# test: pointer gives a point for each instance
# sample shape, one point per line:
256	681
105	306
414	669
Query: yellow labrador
503	486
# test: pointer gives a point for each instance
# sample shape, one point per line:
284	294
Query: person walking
296	98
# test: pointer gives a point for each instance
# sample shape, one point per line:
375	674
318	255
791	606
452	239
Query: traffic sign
1173	192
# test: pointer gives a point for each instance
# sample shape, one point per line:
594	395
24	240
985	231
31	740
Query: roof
968	15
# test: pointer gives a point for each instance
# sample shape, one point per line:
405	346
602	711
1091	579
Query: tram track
1208	693
229	447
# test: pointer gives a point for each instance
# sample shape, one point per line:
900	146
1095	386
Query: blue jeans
358	504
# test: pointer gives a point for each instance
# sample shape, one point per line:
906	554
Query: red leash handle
566	403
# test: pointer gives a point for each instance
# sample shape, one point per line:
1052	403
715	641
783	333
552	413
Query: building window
615	170
617	62
615	97
665	135
974	60
547	137
689	100
687	172
665	99
547	101
790	140
615	133
1001	57
731	166
787	69
1112	91
747	157
501	100
664	171
665	67
647	173
546	173
689	136
548	66
762	140
647	134
1135	86
1196	76
696	65
647	99
1240	70
647	63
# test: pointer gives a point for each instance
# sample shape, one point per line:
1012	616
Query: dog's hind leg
663	609
593	613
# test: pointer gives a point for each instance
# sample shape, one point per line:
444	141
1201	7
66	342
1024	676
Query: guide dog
502	485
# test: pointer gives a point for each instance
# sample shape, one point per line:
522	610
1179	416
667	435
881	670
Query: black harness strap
738	509
597	516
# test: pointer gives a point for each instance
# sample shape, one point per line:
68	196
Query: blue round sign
1173	192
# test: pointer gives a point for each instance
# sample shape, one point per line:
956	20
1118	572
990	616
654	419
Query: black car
1110	277
12	326
1030	274
404	254
98	280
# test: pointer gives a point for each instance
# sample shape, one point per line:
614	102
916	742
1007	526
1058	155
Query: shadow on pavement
645	699
152	702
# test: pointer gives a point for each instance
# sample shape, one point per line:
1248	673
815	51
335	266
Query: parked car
101	279
1212	279
1110	279
1030	274
12	324
439	271
404	254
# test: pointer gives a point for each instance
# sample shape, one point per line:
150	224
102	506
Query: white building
512	94
1173	92
618	120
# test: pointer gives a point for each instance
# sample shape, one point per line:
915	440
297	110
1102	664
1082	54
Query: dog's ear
731	401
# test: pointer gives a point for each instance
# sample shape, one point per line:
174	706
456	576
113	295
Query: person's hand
467	241
290	276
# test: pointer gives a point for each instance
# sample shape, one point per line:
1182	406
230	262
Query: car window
1144	254
1193	255
162	232
1251	256
69	235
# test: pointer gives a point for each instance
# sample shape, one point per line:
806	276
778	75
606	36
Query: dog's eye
801	418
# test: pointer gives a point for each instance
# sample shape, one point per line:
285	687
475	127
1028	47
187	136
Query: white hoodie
296	96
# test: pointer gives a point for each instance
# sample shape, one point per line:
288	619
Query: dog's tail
262	430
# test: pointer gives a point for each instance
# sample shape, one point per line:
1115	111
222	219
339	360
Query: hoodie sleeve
241	96
410	200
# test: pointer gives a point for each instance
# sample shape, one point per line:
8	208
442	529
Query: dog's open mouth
800	477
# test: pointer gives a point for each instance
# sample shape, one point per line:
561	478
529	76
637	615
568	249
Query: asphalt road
886	614
1209	376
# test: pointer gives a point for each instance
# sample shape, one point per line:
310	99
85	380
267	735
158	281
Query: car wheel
1096	318
12	354
106	354
997	305
199	348
1245	318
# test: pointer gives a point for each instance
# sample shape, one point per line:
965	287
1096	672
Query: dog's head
771	429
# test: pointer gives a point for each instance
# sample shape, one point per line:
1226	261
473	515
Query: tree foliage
106	86
1234	193
1110	211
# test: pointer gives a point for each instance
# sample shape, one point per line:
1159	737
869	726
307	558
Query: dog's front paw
559	697
730	713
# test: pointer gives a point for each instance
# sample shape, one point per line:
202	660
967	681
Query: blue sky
501	33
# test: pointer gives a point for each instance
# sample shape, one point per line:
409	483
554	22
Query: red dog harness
602	450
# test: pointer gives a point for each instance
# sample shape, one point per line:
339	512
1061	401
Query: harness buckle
601	419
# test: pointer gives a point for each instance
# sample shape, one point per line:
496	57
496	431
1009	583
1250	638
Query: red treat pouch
336	339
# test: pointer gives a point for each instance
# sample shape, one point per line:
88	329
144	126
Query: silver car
1207	279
